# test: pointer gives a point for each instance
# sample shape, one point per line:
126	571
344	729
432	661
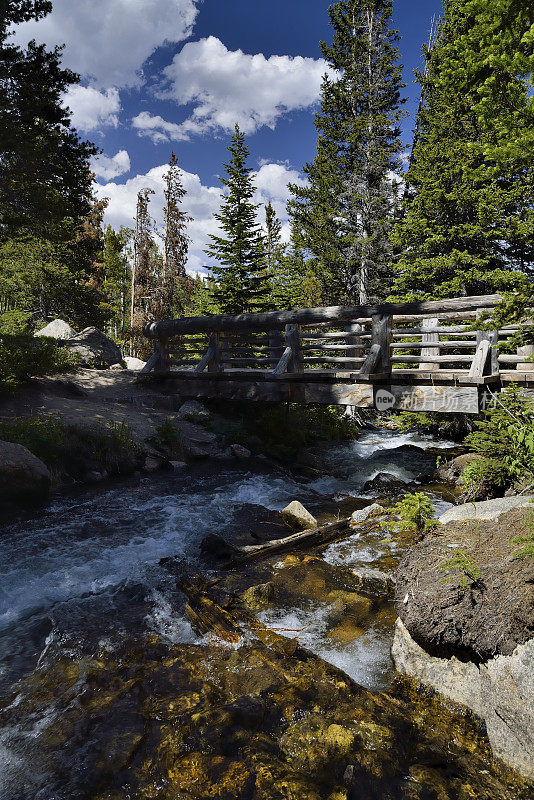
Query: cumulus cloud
231	86
201	202
108	41
157	129
92	109
108	168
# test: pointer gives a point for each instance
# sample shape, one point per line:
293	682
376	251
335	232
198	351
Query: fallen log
314	537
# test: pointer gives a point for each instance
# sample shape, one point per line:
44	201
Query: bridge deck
427	357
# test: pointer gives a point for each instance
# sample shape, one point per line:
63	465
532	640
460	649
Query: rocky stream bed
132	666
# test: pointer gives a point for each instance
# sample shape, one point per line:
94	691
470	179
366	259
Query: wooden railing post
354	330
163	363
430	338
486	360
526	351
293	341
377	365
216	363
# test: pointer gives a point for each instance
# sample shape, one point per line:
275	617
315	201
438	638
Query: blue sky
162	75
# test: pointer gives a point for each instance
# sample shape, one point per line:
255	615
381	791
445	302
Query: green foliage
45	180
525	541
460	564
505	438
291	427
468	227
24	356
241	269
168	434
15	322
345	212
117	278
450	426
73	449
414	513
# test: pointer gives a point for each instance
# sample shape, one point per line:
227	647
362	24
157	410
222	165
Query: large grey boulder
94	348
500	691
296	516
134	364
486	510
58	329
369	512
23	476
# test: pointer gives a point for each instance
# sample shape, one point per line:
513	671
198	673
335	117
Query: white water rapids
86	571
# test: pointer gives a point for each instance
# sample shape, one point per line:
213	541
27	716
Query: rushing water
85	573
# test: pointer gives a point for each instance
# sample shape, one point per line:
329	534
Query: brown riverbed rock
490	617
206	721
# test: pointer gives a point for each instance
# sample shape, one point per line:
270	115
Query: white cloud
92	109
201	202
231	86
157	129
108	168
108	41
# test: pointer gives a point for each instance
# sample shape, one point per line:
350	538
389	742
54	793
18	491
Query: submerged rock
23	476
384	481
296	516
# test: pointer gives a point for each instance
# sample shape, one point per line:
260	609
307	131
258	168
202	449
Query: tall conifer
241	267
469	226
346	211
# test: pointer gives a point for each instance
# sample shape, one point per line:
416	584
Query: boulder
134	364
240	452
217	547
296	516
373	581
452	471
485	510
23	476
94	348
384	481
369	512
500	691
58	329
197	442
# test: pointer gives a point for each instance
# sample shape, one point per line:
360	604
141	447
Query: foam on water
366	659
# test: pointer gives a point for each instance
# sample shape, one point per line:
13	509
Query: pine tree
142	272
173	289
241	269
469	225
346	212
45	182
117	277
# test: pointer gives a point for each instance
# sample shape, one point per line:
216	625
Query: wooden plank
437	399
207	358
427	339
293	341
333	360
478	367
284	362
371	362
308	316
150	364
461	359
450	330
462	345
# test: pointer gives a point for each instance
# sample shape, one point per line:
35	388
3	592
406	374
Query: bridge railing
429	340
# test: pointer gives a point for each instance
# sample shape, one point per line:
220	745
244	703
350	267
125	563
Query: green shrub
168	434
15	323
24	356
72	449
451	426
505	439
464	566
414	513
292	427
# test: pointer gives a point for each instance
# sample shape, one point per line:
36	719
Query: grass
24	356
73	450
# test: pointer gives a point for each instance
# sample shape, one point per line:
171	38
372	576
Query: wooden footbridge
417	357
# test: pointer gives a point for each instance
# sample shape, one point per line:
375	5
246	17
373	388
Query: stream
84	576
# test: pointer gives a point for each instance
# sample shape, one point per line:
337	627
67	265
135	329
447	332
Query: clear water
85	573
